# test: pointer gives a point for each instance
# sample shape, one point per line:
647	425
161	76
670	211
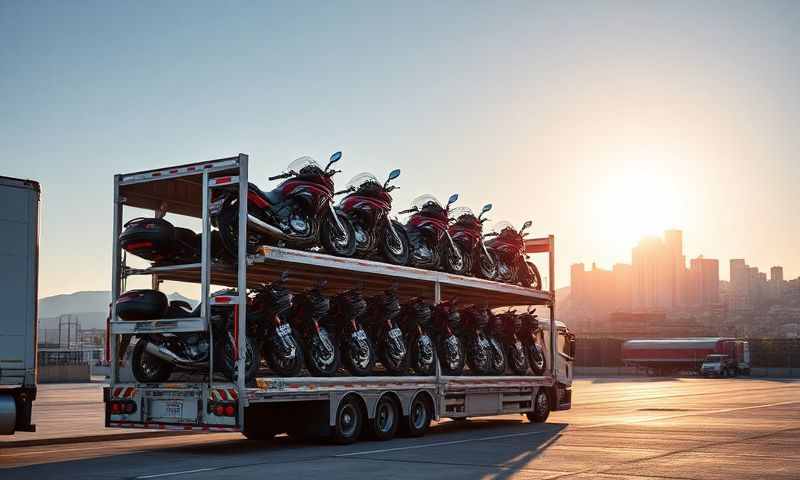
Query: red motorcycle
508	249
367	206
432	247
298	214
466	229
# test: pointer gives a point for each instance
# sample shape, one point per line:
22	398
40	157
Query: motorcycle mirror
334	158
485	209
452	198
525	226
394	174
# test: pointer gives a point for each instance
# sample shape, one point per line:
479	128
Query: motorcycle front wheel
499	362
335	241
537	360
148	368
322	354
423	354
357	360
225	359
487	266
457	261
288	363
452	356
393	359
517	359
396	248
505	271
479	359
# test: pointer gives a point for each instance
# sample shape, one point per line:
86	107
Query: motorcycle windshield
502	225
426	201
363	178
463	215
301	163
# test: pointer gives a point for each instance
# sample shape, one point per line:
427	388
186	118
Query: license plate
452	341
284	330
173	409
360	335
395	333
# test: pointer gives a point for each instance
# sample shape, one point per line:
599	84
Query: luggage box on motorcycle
150	238
142	305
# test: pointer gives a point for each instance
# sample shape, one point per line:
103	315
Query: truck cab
718	365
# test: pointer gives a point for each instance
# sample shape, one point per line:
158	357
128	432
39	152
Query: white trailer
19	264
337	406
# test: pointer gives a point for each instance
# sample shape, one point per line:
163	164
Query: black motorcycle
309	316
516	353
494	333
532	337
345	319
297	214
157	355
383	312
480	354
281	345
446	322
415	321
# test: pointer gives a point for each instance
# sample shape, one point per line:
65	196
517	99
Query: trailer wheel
387	418
541	407
349	421
419	417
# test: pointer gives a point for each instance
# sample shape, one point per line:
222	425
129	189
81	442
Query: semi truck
19	263
673	355
341	406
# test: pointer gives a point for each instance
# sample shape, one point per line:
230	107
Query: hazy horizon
600	121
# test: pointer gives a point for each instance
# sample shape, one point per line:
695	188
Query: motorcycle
157	355
532	338
357	350
382	314
508	249
299	213
516	353
367	205
309	316
432	247
446	322
480	354
466	231
415	321
494	333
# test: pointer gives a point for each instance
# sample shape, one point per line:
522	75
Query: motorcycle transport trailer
338	406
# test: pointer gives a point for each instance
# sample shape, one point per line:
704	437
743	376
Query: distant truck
19	264
670	356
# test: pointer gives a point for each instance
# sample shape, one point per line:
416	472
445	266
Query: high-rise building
659	273
775	286
738	293
703	284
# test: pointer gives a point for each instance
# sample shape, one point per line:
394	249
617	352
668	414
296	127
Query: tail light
222	409
126	407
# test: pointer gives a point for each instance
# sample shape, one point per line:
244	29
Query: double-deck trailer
338	406
19	264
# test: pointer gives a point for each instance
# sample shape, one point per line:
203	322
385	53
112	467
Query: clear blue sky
601	121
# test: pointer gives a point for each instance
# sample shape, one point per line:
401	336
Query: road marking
441	444
170	474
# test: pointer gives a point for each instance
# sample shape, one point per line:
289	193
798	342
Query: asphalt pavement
618	428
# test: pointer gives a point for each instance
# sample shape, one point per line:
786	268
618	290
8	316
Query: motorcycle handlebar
330	173
282	175
490	234
406	211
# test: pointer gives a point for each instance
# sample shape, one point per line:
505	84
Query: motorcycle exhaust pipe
165	354
265	228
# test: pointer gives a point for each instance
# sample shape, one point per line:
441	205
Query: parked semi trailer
340	407
19	264
673	355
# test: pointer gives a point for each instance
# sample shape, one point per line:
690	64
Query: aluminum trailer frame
185	190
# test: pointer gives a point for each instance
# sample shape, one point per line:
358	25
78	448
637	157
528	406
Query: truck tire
541	407
387	419
419	417
349	421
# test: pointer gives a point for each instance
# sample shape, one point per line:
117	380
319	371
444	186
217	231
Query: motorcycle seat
273	197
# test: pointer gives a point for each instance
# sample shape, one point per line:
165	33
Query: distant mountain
91	308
